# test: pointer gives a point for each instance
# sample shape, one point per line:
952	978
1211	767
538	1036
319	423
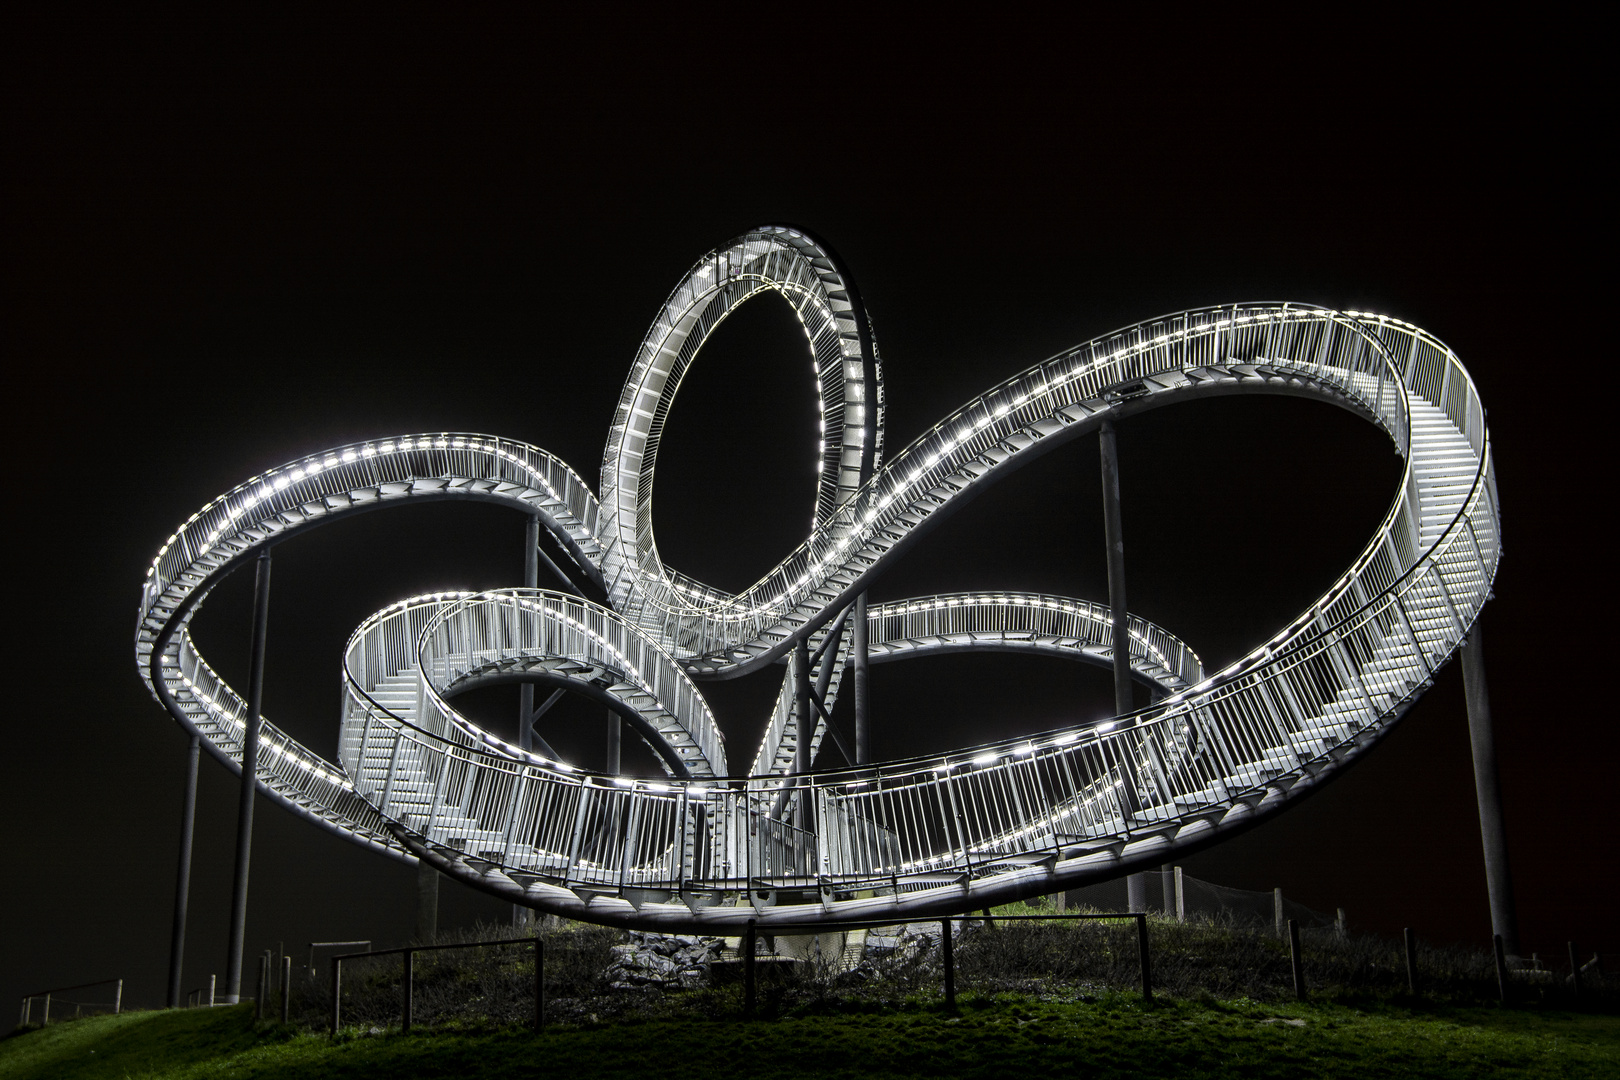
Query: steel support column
182	883
526	716
805	717
1113	531
250	778
615	737
1114	534
858	661
858	640
1498	878
427	902
531	580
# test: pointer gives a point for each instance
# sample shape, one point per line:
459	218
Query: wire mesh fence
599	975
1206	899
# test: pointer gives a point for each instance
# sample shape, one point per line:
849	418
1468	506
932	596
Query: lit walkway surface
718	841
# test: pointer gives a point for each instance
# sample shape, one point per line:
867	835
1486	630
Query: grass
1033	995
1115	1035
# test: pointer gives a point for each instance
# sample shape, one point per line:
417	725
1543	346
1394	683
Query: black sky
231	240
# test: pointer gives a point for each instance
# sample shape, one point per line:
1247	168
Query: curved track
702	849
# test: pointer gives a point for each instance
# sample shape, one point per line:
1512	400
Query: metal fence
37	1007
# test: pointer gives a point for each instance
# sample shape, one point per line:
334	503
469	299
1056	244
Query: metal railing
749	947
44	998
1020	816
408	956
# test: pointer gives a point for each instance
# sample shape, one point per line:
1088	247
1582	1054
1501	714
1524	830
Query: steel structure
708	847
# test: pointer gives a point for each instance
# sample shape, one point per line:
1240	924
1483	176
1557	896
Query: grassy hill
1115	1035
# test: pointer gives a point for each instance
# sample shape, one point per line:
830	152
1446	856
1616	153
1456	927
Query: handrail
1004	819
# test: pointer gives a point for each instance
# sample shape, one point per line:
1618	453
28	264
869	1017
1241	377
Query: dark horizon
234	244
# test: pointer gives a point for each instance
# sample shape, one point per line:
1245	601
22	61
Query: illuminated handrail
1019	619
981	437
935	833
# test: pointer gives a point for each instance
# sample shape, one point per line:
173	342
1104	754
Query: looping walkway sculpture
705	850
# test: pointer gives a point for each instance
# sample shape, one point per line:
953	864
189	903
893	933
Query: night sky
235	240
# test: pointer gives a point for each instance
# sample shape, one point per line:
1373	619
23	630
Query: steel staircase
698	849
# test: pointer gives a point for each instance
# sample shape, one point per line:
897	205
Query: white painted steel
938	834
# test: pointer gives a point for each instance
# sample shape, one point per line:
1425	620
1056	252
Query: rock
663	960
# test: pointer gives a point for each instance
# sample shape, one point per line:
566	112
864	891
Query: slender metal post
1136	892
1113	531
427	901
286	987
748	971
45	1020
1181	898
949	948
1411	960
526	714
337	994
250	779
1114	535
182	884
1144	957
539	984
858	659
264	981
806	726
531	580
1487	787
858	647
211	987
1295	959
615	738
1277	910
407	1013
118	993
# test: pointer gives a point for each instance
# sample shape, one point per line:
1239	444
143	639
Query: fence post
748	971
539	984
1574	970
1181	899
408	988
1277	911
337	995
46	1019
1296	959
118	994
1341	925
1411	960
264	980
286	987
211	980
1143	958
1501	967
949	948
